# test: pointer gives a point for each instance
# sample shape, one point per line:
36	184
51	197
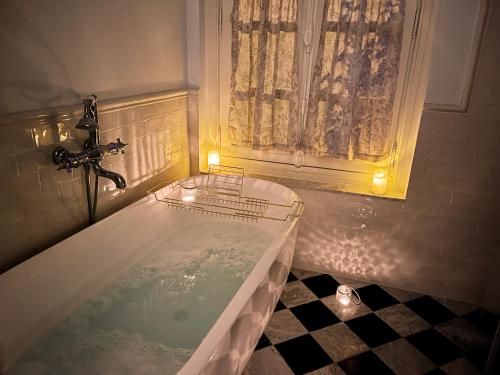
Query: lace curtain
353	84
263	111
354	81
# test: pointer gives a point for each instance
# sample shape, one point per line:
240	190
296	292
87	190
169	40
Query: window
308	170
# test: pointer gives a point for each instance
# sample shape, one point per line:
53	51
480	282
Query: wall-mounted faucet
91	155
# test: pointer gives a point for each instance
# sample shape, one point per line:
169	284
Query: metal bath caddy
221	196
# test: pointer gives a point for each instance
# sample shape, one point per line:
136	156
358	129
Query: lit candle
213	158
379	182
343	295
188	191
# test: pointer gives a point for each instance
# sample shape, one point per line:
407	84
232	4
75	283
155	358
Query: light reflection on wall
161	146
349	239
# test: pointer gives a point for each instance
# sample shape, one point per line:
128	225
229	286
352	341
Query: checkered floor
391	331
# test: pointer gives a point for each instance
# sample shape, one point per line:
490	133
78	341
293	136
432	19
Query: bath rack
221	196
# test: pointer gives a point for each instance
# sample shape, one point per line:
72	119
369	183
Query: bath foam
155	314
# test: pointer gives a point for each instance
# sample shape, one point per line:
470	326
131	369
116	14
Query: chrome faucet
91	155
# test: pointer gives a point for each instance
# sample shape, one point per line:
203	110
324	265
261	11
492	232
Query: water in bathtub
155	314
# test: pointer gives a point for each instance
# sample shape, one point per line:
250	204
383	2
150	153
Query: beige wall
53	51
444	239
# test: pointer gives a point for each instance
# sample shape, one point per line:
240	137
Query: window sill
313	178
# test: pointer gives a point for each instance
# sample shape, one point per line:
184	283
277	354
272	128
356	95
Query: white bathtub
62	295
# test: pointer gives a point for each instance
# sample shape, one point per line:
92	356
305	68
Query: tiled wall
39	205
444	239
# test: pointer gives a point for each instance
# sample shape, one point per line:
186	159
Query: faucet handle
120	145
114	147
62	158
67	166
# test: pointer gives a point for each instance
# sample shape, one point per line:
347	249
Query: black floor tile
322	285
314	315
291	277
435	346
303	354
375	297
279	306
372	330
263	342
430	310
484	321
365	363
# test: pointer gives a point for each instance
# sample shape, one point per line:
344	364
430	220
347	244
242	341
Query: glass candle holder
379	182
344	293
213	158
188	191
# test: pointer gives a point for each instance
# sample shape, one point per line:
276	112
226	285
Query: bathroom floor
391	331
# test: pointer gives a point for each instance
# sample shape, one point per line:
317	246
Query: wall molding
40	117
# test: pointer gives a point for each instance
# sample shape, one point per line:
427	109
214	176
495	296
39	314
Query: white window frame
340	175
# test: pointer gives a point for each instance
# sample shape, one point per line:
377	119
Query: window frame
340	175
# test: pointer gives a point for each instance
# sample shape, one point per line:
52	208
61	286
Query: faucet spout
113	176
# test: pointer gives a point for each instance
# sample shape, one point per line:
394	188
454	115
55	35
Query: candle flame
213	158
